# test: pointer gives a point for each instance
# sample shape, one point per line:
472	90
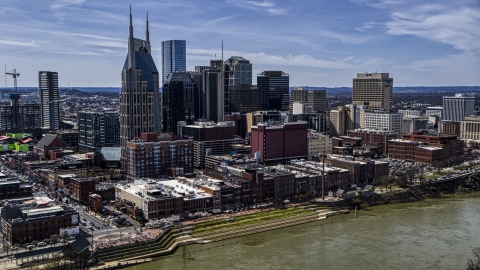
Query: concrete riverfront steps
264	226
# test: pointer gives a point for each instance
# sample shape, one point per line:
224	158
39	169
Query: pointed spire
131	43
147	33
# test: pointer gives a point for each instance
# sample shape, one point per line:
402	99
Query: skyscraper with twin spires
139	98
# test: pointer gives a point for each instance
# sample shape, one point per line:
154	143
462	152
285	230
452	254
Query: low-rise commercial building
23	225
361	171
81	188
14	188
155	199
434	149
374	137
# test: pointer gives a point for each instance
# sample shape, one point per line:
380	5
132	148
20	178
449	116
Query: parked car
14	248
41	244
30	247
168	225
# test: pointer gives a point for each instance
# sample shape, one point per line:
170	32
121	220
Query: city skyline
325	44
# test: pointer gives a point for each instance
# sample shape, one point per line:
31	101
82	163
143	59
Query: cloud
366	26
344	38
267	6
17	43
64	3
261	58
457	27
379	4
221	19
346	59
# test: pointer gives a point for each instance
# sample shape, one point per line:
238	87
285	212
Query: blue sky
319	43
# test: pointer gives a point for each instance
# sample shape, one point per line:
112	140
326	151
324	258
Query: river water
436	233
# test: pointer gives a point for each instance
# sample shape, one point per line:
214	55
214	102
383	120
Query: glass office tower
174	57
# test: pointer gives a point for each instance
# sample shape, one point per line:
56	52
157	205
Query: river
435	233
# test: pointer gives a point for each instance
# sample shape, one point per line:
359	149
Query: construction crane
14	98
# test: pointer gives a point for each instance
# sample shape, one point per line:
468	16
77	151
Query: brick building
13	188
449	127
49	142
308	176
25	225
361	171
95	202
426	148
373	137
155	154
81	188
277	143
155	199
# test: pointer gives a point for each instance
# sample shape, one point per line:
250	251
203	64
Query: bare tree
474	263
6	247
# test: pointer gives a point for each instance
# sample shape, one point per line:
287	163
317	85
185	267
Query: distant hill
331	91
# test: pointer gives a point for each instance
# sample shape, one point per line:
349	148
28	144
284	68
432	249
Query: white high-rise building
48	92
457	107
385	121
410	112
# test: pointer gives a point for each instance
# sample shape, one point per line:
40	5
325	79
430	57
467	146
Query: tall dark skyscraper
174	57
273	90
181	101
48	92
238	71
139	98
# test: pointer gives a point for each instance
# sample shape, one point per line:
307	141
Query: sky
317	42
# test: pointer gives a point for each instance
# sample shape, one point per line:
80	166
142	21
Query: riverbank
418	192
215	230
435	233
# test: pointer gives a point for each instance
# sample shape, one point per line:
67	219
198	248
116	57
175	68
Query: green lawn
243	220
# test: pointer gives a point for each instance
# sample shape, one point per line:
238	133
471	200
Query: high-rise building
374	90
342	119
274	143
237	71
211	138
385	121
273	90
457	107
317	99
139	98
48	92
469	129
98	129
174	57
213	89
243	98
181	101
29	119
